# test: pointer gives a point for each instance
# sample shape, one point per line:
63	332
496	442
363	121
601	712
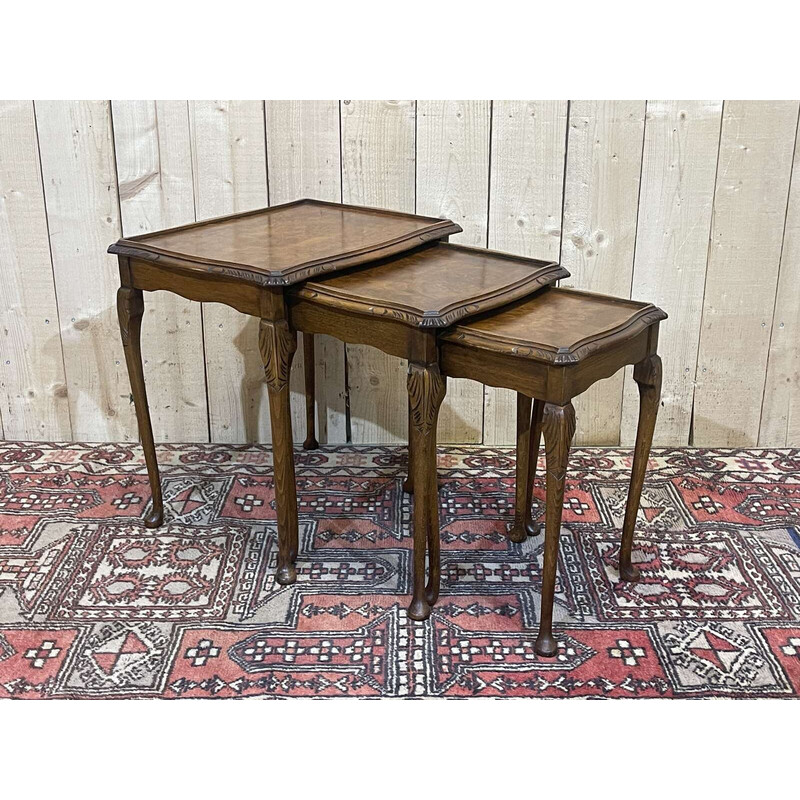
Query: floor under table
92	604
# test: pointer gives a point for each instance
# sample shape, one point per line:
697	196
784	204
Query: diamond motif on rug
125	658
723	656
189	501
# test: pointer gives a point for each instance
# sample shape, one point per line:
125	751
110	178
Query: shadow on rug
92	604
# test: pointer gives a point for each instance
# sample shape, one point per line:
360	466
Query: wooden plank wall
155	177
694	205
378	169
529	139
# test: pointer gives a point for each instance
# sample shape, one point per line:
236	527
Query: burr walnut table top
557	326
432	287
286	244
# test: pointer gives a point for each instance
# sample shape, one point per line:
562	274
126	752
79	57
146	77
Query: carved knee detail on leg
426	389
558	425
277	343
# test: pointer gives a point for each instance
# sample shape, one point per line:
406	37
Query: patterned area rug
92	604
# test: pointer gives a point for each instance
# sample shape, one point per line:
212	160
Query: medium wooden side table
248	261
399	305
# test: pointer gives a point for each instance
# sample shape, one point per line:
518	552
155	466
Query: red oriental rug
92	604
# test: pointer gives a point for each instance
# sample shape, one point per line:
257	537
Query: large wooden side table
551	347
248	261
399	305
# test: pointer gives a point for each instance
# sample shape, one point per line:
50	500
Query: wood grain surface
527	180
750	203
304	160
378	169
230	175
692	205
80	187
33	391
156	190
604	160
453	182
675	204
780	410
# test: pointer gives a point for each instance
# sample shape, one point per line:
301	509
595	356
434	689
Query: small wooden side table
551	347
248	261
399	306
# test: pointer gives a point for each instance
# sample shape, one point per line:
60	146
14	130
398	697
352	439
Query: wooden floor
693	205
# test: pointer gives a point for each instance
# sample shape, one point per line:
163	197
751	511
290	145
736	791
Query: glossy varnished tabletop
432	287
558	326
287	243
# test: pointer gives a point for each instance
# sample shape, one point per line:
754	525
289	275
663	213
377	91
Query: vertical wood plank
755	162
780	410
33	390
453	182
675	202
378	154
80	185
230	175
154	173
453	164
304	160
303	150
604	160
527	180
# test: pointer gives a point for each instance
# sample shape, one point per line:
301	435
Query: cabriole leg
130	308
426	390
309	373
533	457
558	424
647	375
434	542
529	431
277	343
518	533
408	483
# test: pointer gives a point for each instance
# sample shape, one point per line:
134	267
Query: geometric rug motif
175	573
193	502
95	605
119	659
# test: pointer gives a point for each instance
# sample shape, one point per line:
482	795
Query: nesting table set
392	281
